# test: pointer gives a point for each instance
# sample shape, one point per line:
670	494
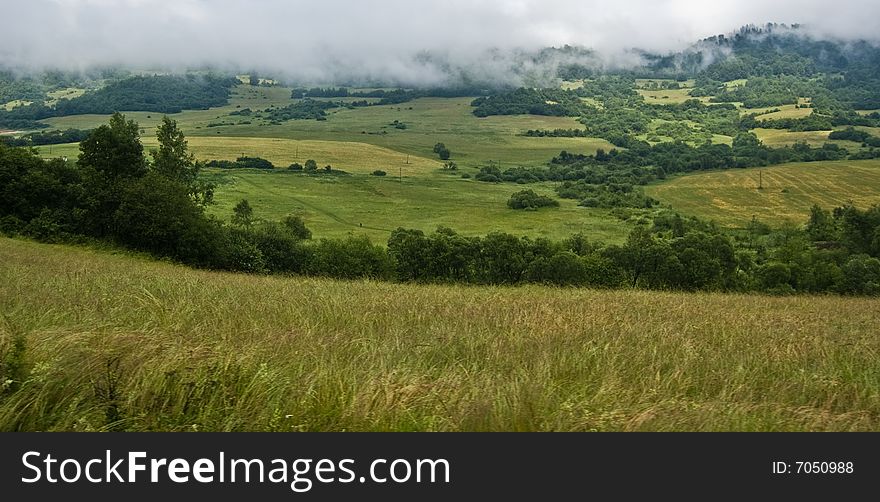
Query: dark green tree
110	158
821	225
115	150
297	227
441	151
243	214
174	161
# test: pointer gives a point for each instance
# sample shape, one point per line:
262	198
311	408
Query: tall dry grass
96	341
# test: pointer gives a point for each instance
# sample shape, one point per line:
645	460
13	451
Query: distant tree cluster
859	136
554	102
529	200
242	163
387	97
307	109
557	133
47	138
158	93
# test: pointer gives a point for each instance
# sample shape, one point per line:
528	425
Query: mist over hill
392	42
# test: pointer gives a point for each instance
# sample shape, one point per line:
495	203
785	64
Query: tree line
47	138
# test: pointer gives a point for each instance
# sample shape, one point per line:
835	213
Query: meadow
416	193
335	206
99	340
472	140
732	197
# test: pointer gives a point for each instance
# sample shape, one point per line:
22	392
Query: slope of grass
782	137
785	112
117	342
15	104
732	197
334	206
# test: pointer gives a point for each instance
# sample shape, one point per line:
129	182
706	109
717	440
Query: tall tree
110	158
114	150
174	161
243	214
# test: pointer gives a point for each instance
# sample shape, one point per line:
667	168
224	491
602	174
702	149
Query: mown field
732	197
92	340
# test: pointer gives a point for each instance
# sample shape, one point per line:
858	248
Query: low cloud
411	42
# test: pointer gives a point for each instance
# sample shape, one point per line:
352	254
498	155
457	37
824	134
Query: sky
328	39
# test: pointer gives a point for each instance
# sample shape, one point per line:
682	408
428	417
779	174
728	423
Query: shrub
528	199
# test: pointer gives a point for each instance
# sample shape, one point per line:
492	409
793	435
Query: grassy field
785	112
15	104
665	96
424	198
67	93
783	137
732	197
102	341
351	157
473	141
363	140
334	206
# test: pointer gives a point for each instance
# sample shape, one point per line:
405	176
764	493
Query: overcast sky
380	37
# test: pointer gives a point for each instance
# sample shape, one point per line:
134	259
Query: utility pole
760	180
400	178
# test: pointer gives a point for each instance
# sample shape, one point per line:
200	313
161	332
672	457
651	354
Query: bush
379	172
562	269
254	163
157	215
441	151
242	162
240	252
281	248
528	199
297	227
351	258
